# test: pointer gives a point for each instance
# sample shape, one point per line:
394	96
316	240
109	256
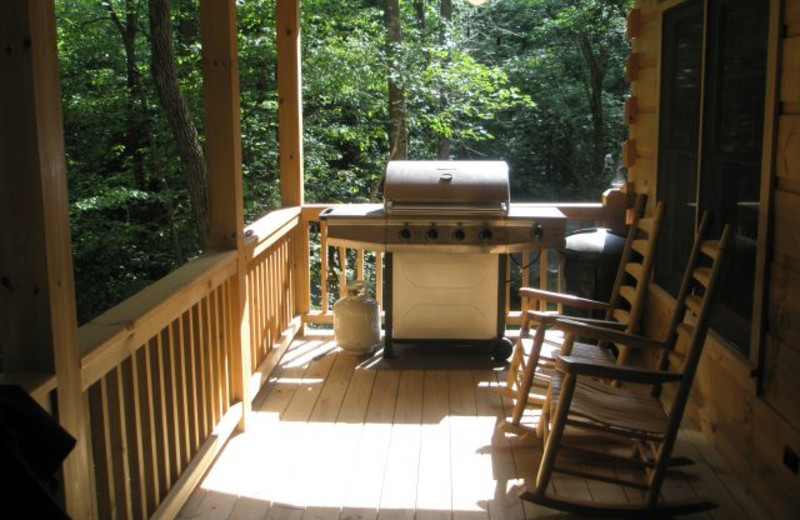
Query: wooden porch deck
336	436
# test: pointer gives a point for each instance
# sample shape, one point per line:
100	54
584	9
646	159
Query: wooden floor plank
504	503
249	508
189	509
342	442
364	492
750	506
399	493
705	482
308	390
215	505
332	437
330	399
434	484
471	472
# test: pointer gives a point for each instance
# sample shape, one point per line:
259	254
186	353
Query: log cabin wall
747	405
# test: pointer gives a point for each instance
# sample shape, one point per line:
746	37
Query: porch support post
290	109
224	159
38	323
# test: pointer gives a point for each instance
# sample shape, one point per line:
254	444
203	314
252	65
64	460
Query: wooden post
38	323
224	160
290	109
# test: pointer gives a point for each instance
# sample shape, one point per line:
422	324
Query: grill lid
447	187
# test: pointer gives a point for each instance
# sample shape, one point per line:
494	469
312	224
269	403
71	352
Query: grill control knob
485	235
537	231
405	234
459	235
431	235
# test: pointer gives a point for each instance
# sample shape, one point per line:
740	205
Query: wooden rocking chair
534	354
582	400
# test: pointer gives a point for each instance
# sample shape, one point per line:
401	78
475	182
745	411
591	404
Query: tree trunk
140	127
398	133
187	26
597	73
396	128
446	12
419	14
165	76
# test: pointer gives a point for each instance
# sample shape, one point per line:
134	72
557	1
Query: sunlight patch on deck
363	466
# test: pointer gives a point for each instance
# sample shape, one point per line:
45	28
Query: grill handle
396	208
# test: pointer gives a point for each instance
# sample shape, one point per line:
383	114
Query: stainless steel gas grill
446	228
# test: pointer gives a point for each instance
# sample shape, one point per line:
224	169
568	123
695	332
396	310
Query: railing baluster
151	439
138	432
507	282
218	347
379	277
255	292
195	420
209	367
359	264
171	383
125	459
526	279
179	375
162	414
274	296
202	391
269	305
323	268
101	449
284	282
342	271
543	257
227	344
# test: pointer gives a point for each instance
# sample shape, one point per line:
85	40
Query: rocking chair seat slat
614	407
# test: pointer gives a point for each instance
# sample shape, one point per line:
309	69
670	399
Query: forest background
537	83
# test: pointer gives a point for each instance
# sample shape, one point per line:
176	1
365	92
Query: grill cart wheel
501	348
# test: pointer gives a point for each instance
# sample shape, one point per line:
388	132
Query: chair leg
528	374
543	427
557	431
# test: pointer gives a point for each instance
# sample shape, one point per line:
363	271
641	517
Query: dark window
681	82
732	129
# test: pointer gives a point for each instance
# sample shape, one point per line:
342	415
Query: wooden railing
276	280
158	370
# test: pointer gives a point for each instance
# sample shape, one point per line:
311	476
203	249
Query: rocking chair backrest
692	313
633	275
688	326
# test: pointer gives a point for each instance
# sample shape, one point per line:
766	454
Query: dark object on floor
32	447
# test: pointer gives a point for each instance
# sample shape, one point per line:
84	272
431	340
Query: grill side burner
448	226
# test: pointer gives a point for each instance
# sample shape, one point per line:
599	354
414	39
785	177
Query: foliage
538	44
508	80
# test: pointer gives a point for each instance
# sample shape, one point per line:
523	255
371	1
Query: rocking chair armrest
564	299
606	334
549	318
581	366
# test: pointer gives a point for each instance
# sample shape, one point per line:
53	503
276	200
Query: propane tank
357	320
